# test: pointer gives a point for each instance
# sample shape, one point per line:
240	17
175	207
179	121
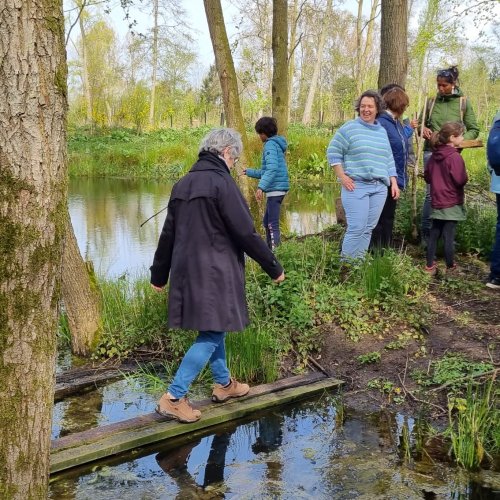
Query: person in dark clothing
207	231
446	175
396	101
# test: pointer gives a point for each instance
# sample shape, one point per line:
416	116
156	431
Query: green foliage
474	423
133	315
452	369
455	366
369	357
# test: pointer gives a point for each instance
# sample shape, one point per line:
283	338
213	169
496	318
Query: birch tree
306	117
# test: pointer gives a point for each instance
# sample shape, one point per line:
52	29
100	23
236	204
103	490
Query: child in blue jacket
273	175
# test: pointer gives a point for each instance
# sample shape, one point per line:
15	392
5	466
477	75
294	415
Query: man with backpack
493	155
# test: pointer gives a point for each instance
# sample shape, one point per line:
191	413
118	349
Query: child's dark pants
446	229
272	221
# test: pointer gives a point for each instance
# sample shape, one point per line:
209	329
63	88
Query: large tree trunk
225	68
80	297
33	192
393	43
155	65
306	117
280	65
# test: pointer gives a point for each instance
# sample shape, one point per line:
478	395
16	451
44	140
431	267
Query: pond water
107	216
310	450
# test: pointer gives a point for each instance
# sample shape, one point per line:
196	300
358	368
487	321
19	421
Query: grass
474	425
285	319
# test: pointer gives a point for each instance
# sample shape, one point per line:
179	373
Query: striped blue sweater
363	150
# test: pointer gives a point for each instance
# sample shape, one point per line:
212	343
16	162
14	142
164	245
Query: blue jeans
363	207
495	253
209	347
426	223
271	221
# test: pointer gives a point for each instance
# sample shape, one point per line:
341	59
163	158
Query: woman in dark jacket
202	244
396	101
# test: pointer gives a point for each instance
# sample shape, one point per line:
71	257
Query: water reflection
298	452
107	214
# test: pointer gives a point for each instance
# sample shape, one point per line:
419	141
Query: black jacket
202	244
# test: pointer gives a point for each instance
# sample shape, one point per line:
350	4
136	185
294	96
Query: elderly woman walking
202	244
361	156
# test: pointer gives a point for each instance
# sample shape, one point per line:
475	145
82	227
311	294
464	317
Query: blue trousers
363	207
495	253
209	347
271	221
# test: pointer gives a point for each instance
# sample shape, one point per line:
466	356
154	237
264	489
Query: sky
196	17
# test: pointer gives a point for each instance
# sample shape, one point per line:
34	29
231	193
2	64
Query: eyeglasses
236	160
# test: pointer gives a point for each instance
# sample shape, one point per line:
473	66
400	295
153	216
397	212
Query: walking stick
420	146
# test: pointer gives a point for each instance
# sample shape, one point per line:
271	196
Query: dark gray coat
202	244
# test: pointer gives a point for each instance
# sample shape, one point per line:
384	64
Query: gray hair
218	139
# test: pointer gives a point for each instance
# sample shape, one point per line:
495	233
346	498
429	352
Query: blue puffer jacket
273	173
398	137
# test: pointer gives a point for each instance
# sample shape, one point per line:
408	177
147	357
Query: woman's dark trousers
272	221
495	253
382	234
446	229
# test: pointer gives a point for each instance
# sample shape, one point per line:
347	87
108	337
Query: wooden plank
79	380
155	431
126	425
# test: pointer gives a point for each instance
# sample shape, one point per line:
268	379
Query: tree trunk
306	117
280	65
393	43
33	192
85	71
155	65
225	69
291	54
80	297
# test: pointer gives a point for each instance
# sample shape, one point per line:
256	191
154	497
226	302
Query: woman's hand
347	182
414	123
280	278
426	132
258	194
157	288
395	192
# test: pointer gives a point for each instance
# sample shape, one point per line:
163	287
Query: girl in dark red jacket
445	172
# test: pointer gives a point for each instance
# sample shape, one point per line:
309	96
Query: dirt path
465	320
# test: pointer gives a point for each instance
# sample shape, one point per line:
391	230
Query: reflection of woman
396	101
450	105
201	250
361	155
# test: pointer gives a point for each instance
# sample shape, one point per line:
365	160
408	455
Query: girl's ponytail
434	140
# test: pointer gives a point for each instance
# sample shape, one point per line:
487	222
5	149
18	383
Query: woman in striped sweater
361	156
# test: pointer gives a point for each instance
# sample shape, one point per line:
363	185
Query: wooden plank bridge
94	444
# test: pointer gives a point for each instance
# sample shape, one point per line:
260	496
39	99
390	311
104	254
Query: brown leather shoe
234	390
179	410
